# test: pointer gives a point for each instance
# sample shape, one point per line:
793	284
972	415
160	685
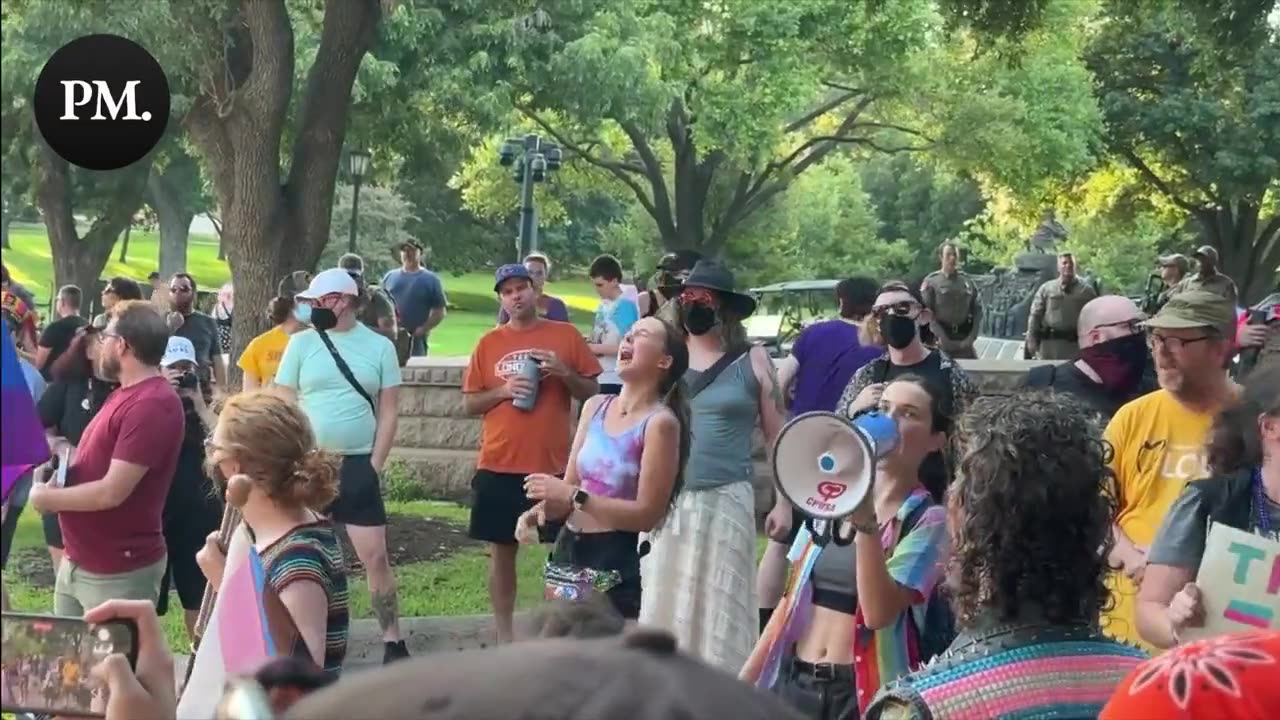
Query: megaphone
825	465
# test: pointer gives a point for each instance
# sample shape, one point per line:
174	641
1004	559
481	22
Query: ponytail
675	402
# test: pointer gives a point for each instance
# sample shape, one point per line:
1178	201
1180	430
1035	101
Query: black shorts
359	499
614	550
497	502
52	530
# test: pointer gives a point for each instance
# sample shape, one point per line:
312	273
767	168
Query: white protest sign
1239	583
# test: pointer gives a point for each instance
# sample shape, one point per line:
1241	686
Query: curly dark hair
1234	443
1032	507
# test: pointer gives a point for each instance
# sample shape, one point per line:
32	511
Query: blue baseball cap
506	272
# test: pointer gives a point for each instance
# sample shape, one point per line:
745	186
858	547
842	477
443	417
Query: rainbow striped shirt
311	552
914	562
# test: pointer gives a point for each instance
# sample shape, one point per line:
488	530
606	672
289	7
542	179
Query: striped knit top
1013	672
311	552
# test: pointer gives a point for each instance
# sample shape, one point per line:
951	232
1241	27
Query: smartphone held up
45	662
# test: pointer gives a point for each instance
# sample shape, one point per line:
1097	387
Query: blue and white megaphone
825	465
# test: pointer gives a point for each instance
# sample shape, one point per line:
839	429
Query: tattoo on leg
386	608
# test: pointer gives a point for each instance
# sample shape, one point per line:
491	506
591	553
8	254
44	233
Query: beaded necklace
1261	507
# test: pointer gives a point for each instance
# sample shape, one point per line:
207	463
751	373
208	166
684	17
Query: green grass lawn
456	585
473	308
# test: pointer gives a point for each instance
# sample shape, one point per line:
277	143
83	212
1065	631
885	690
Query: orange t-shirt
538	441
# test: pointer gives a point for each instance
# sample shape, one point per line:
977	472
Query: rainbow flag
248	627
22	442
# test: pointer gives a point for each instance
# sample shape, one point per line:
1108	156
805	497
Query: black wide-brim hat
711	275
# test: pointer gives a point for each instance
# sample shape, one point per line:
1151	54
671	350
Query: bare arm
114	488
773	408
479	403
42	355
1159	584
659	464
249	381
787	373
308	605
580	386
220	371
434	318
388	419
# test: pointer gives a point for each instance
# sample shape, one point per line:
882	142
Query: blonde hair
272	440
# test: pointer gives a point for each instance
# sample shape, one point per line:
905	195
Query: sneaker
393	651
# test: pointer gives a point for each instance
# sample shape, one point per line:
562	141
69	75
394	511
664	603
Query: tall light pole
533	158
358	164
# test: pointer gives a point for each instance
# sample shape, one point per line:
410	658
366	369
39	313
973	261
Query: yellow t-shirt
1159	447
262	355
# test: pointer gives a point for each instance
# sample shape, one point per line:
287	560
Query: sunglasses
903	309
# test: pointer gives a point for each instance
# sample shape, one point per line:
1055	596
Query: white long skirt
699	576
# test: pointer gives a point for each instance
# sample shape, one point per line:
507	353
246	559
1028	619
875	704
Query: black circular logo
102	102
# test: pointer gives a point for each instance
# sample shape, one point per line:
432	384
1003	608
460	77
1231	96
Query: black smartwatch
580	498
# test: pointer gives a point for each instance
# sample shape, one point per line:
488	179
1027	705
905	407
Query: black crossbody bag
345	369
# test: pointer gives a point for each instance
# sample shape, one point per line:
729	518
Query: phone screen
45	662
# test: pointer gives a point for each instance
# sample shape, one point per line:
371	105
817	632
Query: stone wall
437	441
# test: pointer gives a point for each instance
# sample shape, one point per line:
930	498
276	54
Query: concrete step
444	473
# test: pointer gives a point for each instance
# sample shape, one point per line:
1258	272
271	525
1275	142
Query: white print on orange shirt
1184	462
510	363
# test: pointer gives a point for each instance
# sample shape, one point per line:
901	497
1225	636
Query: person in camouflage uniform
953	299
1051	327
376	310
1208	278
1173	270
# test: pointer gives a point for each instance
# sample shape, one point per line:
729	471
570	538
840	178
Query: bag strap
346	369
710	374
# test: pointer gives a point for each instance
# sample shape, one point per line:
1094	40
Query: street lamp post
533	158
358	164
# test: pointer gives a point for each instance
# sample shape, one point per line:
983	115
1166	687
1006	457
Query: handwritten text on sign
1239	580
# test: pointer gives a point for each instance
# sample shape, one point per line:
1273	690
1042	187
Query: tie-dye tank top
609	464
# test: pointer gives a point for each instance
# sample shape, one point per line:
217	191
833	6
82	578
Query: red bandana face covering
1229	677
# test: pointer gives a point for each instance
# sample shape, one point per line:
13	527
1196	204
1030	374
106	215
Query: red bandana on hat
1232	677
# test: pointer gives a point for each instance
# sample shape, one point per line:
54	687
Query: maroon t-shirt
141	424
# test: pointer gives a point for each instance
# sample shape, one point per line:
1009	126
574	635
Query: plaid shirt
915	562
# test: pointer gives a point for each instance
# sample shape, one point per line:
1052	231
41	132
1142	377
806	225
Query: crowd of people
1026	555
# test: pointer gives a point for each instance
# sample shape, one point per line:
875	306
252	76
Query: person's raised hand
144	691
212	559
1185	610
540	486
868	398
550	362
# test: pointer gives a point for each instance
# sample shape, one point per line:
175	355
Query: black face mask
898	331
1120	363
698	319
323	319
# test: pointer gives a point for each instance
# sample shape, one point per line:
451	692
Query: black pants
820	692
614	550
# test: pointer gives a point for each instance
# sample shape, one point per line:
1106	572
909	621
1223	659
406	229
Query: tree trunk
5	219
1248	247
79	260
124	243
274	224
174	219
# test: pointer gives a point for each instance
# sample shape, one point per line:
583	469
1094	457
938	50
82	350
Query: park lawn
456	585
473	307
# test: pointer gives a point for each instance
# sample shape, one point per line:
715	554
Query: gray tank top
723	419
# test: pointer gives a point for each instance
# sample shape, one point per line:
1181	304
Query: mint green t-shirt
342	420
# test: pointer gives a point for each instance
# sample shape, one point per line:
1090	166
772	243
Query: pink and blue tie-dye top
608	464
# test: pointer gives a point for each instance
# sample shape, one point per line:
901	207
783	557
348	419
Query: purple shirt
829	354
556	310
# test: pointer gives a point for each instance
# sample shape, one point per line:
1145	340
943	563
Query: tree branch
820	110
654	172
1160	185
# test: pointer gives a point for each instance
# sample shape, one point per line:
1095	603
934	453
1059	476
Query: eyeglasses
904	309
1175	344
1134	325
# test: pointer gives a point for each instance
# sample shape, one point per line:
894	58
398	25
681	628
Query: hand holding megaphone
825	465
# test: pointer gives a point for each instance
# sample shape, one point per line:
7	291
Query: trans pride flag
247	627
22	442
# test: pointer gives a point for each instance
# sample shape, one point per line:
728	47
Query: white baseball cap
178	349
330	282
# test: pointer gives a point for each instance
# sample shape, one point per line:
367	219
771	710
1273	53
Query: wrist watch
580	498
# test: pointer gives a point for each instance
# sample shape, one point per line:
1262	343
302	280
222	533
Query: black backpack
939	629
